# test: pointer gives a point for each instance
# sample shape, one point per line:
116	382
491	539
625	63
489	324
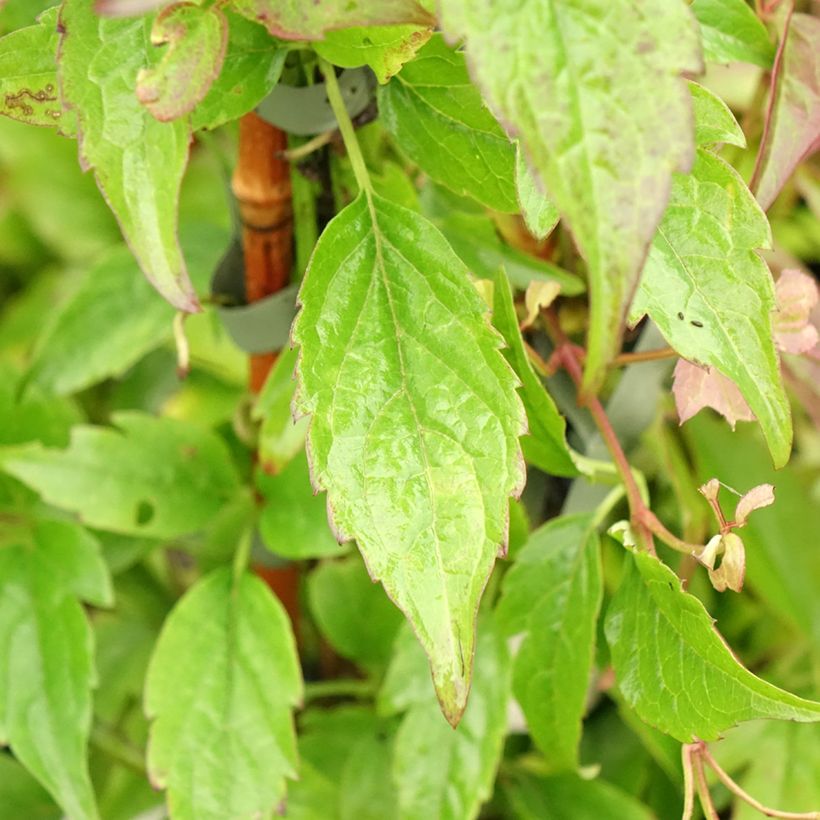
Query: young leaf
551	597
28	76
195	39
714	120
792	130
138	161
674	669
415	421
757	498
712	296
154	477
221	685
593	91
441	772
252	66
731	32
114	302
296	20
439	120
46	654
545	444
353	614
384	48
796	295
697	387
293	519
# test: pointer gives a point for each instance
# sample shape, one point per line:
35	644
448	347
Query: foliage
529	202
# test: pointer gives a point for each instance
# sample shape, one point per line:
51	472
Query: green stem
242	555
110	743
340	688
354	152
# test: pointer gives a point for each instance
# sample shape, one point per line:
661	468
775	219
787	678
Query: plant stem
643	356
307	148
705	797
111	744
354	152
746	797
339	688
688	782
242	555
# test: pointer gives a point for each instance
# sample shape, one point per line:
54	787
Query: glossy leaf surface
440	772
792	130
593	92
440	121
415	421
674	669
138	161
732	31
46	654
551	597
224	678
710	293
152	476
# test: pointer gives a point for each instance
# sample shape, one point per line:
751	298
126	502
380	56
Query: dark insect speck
696	323
680	316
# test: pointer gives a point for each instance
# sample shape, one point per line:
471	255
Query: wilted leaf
439	120
194	41
138	162
757	498
221	685
593	91
297	20
152	476
674	669
732	569
551	597
384	48
28	76
415	421
796	295
732	31
539	295
712	296
792	129
696	387
46	654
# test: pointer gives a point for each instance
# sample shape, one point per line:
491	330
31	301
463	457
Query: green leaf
28	76
731	31
710	293
280	438
154	477
440	122
252	66
792	130
551	597
194	41
46	653
473	237
545	445
353	614
415	421
138	161
293	520
114	302
384	48
22	796
440	772
568	797
540	215
296	20
221	685
714	120
593	92
675	670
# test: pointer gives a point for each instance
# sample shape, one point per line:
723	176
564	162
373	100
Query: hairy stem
643	356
